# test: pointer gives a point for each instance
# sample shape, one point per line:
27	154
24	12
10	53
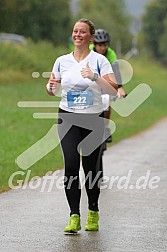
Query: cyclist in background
101	44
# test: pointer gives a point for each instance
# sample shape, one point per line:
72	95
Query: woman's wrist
95	77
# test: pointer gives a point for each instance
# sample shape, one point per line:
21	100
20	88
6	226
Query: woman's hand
53	85
122	92
87	72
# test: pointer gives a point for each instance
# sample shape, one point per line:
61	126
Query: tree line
36	19
52	20
155	29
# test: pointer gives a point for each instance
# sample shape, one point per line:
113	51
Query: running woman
81	122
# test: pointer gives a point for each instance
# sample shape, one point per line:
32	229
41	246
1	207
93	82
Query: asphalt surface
133	205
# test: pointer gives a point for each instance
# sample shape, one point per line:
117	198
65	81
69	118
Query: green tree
109	15
163	41
38	19
155	29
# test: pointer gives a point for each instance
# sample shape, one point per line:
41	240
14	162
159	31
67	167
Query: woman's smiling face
81	34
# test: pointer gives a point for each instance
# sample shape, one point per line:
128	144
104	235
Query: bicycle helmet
101	36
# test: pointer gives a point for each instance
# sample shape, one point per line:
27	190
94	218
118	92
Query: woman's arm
107	82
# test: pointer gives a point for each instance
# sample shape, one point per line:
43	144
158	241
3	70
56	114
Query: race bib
79	99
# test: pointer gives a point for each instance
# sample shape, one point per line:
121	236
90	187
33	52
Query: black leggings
72	129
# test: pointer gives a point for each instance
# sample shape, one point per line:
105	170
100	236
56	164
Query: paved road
131	218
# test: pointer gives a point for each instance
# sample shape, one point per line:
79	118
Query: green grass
18	61
19	130
153	109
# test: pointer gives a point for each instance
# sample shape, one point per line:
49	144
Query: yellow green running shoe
92	221
73	225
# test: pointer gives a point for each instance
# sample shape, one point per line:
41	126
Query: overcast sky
134	7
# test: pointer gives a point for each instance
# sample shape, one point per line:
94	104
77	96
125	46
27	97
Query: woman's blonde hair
89	23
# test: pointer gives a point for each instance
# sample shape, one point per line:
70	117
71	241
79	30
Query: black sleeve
117	73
